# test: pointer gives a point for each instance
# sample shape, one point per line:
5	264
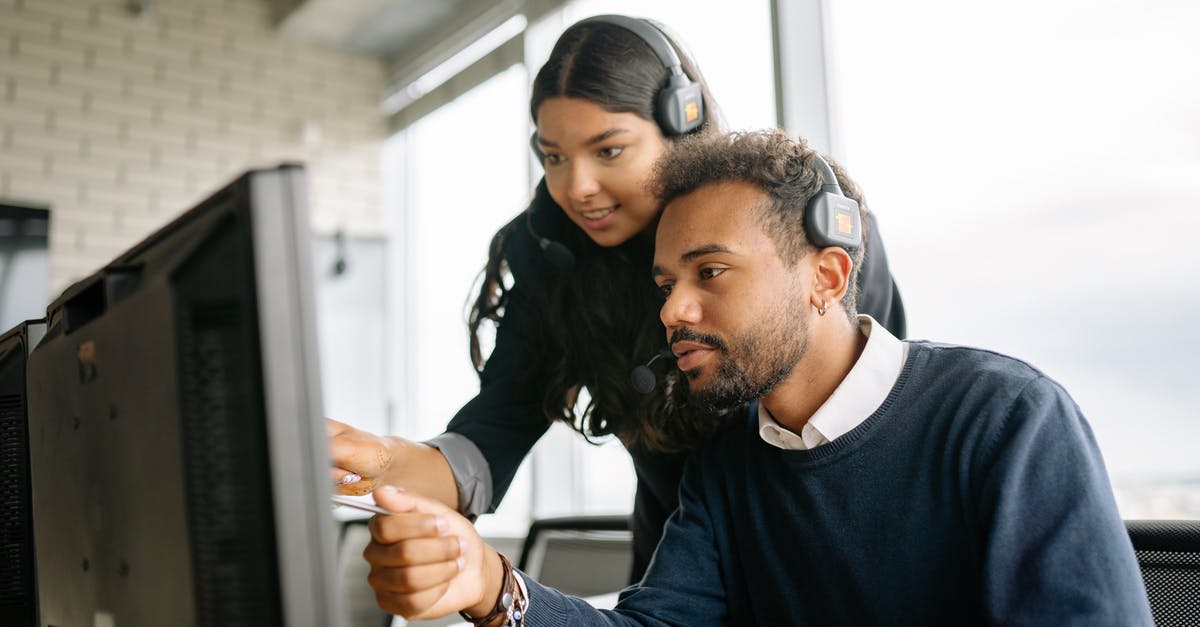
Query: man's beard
756	363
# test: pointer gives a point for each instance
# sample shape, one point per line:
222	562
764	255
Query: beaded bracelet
512	602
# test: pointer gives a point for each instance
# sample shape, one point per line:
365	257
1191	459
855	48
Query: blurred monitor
18	585
178	460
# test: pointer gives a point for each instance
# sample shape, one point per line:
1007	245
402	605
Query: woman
580	310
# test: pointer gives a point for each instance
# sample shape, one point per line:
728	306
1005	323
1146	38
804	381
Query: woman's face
597	164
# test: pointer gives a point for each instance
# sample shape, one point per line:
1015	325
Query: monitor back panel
152	432
149	431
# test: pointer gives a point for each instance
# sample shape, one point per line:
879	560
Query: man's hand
428	561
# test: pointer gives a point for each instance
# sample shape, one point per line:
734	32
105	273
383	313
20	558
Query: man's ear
832	277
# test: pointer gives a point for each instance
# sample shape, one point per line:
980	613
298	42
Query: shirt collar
857	397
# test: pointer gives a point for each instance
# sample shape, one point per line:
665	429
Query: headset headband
679	105
648	33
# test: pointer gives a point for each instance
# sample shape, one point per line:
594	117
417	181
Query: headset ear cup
680	104
680	107
833	220
830	217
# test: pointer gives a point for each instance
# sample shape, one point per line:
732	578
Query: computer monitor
18	584
179	464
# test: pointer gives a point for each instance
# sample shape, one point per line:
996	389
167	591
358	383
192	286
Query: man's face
735	313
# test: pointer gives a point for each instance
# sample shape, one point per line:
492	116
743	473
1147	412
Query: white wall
119	123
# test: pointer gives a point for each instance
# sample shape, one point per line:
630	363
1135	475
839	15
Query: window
1033	167
24	264
462	179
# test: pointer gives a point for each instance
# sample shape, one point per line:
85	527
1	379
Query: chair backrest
585	556
358	599
1168	552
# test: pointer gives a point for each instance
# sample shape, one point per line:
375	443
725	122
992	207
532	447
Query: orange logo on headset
844	224
691	111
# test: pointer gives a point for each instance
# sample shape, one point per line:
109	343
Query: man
861	480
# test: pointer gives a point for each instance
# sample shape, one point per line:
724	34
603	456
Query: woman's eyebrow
603	135
594	139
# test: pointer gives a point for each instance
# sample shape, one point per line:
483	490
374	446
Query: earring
821	311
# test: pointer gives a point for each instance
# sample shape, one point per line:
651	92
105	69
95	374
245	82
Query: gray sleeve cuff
471	472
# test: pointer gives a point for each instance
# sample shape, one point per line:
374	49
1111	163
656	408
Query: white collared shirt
858	396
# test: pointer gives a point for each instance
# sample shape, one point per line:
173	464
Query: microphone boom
643	378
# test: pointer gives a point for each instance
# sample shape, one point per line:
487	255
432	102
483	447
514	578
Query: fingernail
462	563
462	546
441	524
388	488
351	478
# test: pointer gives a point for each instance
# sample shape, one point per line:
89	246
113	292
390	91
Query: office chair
358	599
585	556
1168	552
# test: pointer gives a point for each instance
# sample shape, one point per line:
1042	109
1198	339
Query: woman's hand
361	460
428	561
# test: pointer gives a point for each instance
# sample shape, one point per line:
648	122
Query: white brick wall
119	123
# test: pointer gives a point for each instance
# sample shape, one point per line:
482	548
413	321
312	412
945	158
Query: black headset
830	217
680	104
679	109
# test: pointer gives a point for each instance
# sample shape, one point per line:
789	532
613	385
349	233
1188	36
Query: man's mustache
687	334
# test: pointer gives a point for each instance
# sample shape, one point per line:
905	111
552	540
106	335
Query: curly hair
782	167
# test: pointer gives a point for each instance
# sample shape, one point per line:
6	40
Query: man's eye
553	159
665	288
611	152
710	273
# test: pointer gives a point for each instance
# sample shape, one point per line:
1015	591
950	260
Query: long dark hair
598	329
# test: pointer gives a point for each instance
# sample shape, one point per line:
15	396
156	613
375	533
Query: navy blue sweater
974	495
